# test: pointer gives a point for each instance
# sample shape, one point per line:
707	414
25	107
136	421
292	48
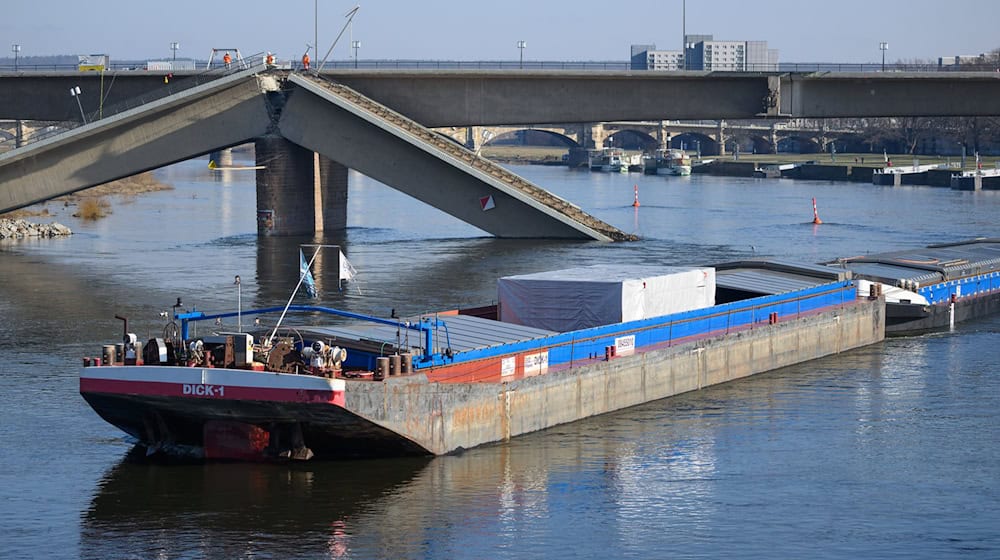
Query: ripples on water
889	450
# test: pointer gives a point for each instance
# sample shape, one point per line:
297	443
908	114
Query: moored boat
669	162
933	287
608	160
596	338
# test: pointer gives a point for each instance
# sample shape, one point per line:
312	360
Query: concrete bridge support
222	158
721	132
298	191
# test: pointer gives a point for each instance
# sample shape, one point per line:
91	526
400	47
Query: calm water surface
892	450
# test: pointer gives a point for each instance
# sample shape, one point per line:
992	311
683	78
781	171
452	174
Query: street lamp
521	45
355	45
883	46
15	48
75	92
174	47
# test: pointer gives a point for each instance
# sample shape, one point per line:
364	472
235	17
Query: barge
933	287
436	384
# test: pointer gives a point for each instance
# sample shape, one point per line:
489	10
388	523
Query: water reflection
234	510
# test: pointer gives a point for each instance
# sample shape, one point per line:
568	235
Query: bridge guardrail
590	65
170	88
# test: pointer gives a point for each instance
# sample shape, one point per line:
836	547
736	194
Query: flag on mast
347	270
306	276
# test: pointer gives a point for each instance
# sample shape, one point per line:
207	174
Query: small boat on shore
934	287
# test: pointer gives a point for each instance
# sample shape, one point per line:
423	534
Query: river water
892	450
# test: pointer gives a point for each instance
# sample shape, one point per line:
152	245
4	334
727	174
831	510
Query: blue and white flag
306	276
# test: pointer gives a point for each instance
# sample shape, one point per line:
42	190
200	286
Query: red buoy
636	203
816	219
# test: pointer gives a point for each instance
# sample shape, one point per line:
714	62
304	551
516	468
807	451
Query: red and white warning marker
486	202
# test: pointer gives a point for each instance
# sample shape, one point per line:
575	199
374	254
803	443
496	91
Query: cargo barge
559	347
933	287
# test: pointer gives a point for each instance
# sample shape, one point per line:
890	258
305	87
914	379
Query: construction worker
227	60
305	61
269	60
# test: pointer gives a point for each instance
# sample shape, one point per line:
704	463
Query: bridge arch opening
632	140
695	143
798	145
532	137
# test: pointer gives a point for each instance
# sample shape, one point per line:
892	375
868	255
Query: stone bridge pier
284	207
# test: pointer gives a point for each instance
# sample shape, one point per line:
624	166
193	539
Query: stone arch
632	140
695	142
532	137
750	143
798	145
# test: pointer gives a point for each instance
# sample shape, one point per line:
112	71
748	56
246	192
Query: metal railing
170	87
590	65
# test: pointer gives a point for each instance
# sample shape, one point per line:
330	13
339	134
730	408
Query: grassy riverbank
93	203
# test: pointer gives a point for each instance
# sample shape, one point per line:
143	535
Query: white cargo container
579	298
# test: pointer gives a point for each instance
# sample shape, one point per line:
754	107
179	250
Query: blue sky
803	30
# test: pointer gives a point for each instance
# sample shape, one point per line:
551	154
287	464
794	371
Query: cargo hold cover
580	298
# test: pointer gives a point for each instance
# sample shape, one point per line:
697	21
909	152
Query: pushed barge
934	287
439	383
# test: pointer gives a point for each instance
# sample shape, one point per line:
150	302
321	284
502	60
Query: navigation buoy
816	219
636	203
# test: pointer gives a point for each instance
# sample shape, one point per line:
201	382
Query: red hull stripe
209	392
211	383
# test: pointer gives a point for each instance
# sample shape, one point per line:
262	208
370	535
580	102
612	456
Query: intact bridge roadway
310	129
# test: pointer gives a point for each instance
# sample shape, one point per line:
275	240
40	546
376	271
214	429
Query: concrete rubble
20	229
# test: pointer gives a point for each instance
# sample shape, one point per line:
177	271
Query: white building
705	53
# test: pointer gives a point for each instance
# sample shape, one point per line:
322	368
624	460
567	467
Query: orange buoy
636	203
816	219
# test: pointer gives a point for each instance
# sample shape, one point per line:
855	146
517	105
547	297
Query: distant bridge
710	137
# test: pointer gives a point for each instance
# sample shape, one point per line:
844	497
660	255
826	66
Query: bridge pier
298	191
721	132
222	158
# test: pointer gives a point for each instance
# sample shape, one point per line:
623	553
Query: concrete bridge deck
327	118
439	98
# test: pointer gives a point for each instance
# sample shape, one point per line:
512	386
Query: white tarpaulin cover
591	296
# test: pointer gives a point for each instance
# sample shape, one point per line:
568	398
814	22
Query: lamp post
883	46
15	48
316	30
355	45
521	45
75	92
174	46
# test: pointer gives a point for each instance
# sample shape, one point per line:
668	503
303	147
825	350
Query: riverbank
88	204
20	229
848	167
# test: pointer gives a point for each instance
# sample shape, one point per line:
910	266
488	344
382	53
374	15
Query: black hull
177	426
907	318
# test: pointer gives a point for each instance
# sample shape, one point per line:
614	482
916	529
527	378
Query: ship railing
426	326
567	349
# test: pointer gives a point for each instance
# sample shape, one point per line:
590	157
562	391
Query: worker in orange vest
269	60
227	60
305	61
